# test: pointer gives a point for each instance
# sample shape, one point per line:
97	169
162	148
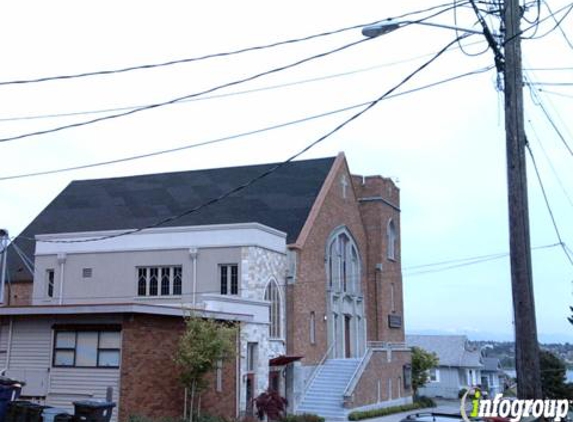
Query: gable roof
451	350
491	364
281	200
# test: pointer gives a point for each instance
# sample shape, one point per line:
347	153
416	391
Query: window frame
391	238
98	349
273	295
50	283
229	289
150	281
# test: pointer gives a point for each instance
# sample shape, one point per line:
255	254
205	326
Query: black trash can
9	391
14	411
33	412
93	410
64	417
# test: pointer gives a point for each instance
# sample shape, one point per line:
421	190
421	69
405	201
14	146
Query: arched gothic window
272	294
343	264
391	237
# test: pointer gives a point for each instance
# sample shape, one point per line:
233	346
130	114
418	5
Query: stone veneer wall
373	386
259	266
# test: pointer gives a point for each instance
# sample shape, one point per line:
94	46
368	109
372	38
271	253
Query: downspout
193	255
8	347
62	262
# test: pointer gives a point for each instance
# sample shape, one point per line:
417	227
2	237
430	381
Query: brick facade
374	385
308	293
380	203
19	294
149	377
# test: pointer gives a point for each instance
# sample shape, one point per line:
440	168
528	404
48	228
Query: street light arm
381	28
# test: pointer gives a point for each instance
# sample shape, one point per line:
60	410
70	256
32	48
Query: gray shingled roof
451	350
491	364
282	200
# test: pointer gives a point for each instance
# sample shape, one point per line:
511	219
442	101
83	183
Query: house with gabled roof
460	365
305	262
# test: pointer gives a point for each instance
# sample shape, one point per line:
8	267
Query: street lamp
381	28
526	343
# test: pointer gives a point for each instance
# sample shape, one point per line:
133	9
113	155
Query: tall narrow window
153	280
142	282
272	294
229	276
312	328
177	282
391	235
343	264
50	280
165	281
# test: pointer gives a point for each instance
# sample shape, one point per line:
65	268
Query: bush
305	417
374	413
425	401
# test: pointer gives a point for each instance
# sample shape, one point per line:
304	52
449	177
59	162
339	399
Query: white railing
349	390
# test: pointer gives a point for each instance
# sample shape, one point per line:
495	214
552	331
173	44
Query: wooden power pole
526	345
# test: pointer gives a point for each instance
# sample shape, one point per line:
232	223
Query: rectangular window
50	280
87	349
252	357
87	272
229	276
434	375
156	281
312	328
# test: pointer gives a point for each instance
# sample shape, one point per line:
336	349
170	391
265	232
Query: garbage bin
49	414
14	410
9	391
64	417
93	410
29	412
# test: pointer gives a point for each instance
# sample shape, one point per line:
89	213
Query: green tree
570	319
204	343
422	362
554	377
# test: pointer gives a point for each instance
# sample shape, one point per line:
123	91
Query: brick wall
149	378
380	202
19	294
309	292
373	386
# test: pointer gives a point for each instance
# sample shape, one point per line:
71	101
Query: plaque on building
395	321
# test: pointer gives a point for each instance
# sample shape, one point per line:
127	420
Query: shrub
425	401
374	413
305	417
270	404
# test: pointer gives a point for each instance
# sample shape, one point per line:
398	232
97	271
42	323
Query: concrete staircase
324	396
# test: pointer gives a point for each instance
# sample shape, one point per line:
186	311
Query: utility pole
526	345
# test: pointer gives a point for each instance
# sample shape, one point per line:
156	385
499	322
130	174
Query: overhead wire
550	162
567	40
188	96
239	135
226	95
275	167
547	204
215	55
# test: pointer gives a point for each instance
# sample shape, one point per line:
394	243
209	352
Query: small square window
87	273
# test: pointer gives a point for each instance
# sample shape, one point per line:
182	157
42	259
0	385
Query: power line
225	95
275	167
549	161
546	199
537	101
558	25
464	262
185	97
213	55
240	135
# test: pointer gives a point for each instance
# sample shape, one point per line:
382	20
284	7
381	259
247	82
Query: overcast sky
444	145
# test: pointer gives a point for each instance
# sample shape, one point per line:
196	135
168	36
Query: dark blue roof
281	200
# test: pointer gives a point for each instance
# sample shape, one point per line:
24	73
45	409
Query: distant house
491	376
460	365
305	262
